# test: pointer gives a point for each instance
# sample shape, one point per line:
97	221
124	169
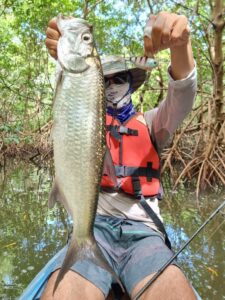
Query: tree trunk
217	60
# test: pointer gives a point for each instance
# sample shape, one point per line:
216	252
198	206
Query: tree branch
150	7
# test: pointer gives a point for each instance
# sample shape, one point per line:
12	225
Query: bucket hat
115	64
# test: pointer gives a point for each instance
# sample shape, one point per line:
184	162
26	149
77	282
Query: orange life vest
135	158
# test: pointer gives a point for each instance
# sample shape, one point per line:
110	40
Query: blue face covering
122	114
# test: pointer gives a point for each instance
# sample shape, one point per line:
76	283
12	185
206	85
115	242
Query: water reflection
203	261
30	234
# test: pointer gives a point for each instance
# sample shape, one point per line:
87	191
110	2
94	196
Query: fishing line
160	271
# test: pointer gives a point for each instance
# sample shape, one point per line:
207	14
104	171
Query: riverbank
180	160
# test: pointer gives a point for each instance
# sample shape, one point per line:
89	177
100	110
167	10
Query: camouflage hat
115	64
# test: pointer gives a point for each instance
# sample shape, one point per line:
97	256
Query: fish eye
86	38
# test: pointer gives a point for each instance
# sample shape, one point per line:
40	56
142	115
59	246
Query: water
30	234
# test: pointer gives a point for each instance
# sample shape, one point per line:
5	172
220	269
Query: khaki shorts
133	250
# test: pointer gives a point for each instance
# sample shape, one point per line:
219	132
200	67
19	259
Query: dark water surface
30	234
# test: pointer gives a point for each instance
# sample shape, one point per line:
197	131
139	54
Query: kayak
38	284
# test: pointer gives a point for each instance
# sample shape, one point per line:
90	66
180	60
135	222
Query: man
128	225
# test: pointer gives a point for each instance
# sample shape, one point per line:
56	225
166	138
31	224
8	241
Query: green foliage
26	70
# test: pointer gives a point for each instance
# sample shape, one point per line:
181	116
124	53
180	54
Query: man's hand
165	30
169	30
52	36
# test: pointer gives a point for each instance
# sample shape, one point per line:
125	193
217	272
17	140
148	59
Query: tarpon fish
79	138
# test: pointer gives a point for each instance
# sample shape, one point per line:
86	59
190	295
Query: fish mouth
75	53
78	54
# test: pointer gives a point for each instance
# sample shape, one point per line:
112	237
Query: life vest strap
122	130
155	219
158	223
149	172
137	187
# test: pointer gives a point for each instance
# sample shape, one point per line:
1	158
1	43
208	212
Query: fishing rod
160	271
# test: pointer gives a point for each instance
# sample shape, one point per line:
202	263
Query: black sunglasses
118	78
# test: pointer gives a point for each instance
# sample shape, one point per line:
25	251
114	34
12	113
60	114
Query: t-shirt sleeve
165	119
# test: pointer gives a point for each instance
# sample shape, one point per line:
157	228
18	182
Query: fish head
76	43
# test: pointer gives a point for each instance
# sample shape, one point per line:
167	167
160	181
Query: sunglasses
118	78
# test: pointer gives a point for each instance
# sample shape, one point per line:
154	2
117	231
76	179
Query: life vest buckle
120	171
118	130
123	130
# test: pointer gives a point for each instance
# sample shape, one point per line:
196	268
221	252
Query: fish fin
55	195
109	168
86	249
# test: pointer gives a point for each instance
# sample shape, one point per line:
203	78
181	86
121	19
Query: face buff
119	102
122	114
118	95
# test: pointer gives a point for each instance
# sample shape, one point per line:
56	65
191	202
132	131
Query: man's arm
182	61
168	30
170	113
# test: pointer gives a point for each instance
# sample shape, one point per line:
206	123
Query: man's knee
72	287
171	284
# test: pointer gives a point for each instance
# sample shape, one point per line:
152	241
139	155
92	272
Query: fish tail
71	257
87	249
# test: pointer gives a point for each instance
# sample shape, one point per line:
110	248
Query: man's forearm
182	61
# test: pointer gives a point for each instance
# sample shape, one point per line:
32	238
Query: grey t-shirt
162	122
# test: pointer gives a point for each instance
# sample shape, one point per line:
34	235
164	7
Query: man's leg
170	285
72	287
